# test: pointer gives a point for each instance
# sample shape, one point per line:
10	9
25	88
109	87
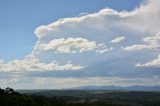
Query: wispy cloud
50	82
152	63
118	39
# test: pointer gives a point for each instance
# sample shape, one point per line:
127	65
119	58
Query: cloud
102	51
69	82
151	42
153	63
104	19
79	39
136	47
118	39
33	64
69	45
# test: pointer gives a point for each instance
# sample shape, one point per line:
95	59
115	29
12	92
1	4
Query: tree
9	90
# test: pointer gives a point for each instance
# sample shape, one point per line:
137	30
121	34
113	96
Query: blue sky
63	44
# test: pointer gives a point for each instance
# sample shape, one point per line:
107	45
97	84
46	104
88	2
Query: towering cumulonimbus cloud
93	45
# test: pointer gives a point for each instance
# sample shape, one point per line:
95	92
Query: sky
55	44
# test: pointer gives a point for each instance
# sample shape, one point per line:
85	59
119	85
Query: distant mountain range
130	88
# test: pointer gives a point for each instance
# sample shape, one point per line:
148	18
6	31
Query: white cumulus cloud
91	34
69	45
150	42
33	64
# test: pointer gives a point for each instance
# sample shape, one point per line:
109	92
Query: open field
100	97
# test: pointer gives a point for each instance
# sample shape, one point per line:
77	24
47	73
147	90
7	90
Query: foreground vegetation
8	97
